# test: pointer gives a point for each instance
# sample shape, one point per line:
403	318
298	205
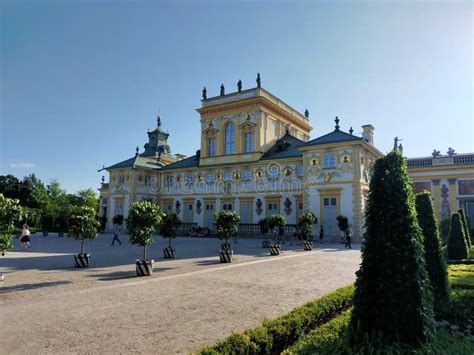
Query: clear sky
82	81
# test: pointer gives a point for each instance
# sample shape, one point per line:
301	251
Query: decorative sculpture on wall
177	207
287	205
198	206
259	205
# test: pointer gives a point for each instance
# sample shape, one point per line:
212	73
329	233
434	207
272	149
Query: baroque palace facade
256	158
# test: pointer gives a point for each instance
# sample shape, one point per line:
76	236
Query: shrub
47	222
306	222
82	224
276	220
392	296
118	219
274	336
457	246
264	227
444	226
343	223
143	219
168	226
227	224
465	227
10	215
435	262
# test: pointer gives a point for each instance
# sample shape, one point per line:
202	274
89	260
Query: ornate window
329	162
248	140
211	147
229	139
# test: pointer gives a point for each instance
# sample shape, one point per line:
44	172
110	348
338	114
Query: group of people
198	231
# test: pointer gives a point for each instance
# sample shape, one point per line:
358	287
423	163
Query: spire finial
239	85
337	123
204	93
222	90
351	131
158	121
259	82
306	113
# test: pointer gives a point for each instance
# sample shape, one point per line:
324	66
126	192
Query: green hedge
274	336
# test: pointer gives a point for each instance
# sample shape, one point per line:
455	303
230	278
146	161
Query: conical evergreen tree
435	262
465	227
393	300
457	245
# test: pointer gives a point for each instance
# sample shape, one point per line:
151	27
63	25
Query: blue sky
82	81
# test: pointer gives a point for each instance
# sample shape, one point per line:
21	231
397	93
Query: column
437	197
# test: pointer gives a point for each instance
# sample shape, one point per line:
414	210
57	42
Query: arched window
229	139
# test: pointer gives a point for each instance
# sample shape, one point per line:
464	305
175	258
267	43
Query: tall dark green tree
465	226
457	245
435	262
393	300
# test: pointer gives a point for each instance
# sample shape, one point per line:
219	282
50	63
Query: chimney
368	133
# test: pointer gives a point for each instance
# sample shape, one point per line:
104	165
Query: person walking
25	238
321	233
117	230
348	238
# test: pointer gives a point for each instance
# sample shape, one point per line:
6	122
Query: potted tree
82	225
264	229
169	224
61	223
10	215
276	223
143	219
227	224
343	224
305	225
46	223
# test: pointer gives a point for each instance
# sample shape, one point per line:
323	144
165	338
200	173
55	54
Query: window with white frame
329	202
212	147
211	177
329	162
272	207
247	175
248	140
229	139
227	207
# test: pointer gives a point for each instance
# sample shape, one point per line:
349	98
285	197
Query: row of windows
121	178
229	142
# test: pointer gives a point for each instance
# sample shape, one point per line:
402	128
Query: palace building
257	158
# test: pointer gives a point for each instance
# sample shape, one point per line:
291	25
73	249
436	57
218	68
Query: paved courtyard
47	306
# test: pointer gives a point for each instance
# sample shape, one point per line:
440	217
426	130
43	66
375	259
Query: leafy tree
169	224
10	215
10	186
143	219
435	263
88	197
227	224
465	227
83	224
392	301
276	220
343	223
306	222
264	227
457	245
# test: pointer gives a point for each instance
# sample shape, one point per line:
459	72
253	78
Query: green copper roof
285	147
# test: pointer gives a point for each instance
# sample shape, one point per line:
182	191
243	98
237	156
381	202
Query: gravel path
47	306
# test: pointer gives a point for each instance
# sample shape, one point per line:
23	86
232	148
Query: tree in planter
227	224
264	229
465	226
392	300
61	223
143	219
457	245
10	216
306	223
82	225
276	223
46	223
343	224
435	262
169	224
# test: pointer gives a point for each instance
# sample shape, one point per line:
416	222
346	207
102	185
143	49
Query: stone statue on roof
395	143
204	93
436	153
222	90
239	85
259	83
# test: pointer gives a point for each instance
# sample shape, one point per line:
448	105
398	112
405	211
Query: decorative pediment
210	131
247	125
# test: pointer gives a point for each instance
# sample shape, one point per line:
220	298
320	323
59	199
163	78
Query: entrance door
208	215
330	213
188	213
246	212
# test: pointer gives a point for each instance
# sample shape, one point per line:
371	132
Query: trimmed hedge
457	245
274	336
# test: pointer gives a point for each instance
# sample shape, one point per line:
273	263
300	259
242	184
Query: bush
47	222
444	226
457	246
276	220
274	336
168	226
82	224
143	219
264	226
306	223
343	223
227	224
392	296
465	227
10	215
435	262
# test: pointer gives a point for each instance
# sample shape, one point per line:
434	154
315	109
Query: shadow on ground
25	287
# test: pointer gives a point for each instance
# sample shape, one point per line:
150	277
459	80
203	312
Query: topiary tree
435	262
305	224
457	245
168	226
10	215
82	224
143	219
264	227
343	223
276	220
465	227
227	224
392	300
444	226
